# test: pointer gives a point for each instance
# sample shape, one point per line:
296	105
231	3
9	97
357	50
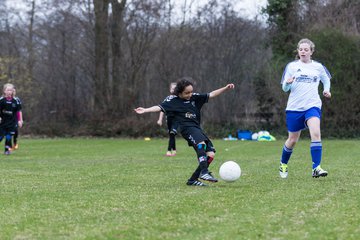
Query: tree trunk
30	46
101	81
116	30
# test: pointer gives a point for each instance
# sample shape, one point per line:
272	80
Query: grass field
128	189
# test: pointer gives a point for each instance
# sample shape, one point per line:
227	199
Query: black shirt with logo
8	111
185	112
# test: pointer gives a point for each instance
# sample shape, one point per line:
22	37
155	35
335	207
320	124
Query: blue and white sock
316	152
286	154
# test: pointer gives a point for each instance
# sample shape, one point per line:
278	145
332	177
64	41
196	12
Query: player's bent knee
210	154
292	141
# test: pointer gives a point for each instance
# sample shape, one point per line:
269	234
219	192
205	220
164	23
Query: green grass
128	189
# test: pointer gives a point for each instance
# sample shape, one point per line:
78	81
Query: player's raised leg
287	151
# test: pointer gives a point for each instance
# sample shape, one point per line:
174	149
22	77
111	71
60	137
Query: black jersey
8	111
18	101
185	112
170	116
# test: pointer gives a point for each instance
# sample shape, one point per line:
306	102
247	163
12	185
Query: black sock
196	174
8	144
203	165
172	142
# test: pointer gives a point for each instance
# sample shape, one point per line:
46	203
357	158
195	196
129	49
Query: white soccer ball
254	136
230	171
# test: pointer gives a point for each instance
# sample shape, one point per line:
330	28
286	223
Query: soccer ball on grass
230	171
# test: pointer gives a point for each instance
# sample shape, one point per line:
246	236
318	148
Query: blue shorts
296	121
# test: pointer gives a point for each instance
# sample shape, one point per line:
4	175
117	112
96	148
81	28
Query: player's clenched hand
327	94
139	110
230	86
290	80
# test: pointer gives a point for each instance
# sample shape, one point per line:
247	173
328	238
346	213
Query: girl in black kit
185	106
172	127
11	116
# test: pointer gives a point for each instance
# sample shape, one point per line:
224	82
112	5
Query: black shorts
194	136
6	130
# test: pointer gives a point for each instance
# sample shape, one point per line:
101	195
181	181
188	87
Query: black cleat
206	175
195	183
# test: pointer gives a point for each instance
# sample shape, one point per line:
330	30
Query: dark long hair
181	84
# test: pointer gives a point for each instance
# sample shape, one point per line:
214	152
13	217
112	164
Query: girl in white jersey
303	110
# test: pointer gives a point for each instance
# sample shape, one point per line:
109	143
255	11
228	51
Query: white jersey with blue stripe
304	92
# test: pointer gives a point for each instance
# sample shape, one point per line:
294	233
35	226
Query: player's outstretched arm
219	91
141	110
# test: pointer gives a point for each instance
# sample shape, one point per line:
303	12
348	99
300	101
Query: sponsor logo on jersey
7	112
304	78
190	115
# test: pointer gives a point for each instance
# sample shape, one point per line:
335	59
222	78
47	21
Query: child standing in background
10	114
171	125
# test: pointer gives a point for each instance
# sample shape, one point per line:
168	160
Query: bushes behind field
75	79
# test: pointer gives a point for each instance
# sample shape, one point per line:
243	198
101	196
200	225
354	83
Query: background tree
117	31
102	85
282	17
81	66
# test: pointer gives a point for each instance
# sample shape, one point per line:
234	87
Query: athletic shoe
173	153
168	154
8	152
206	175
319	172
196	183
16	147
283	170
